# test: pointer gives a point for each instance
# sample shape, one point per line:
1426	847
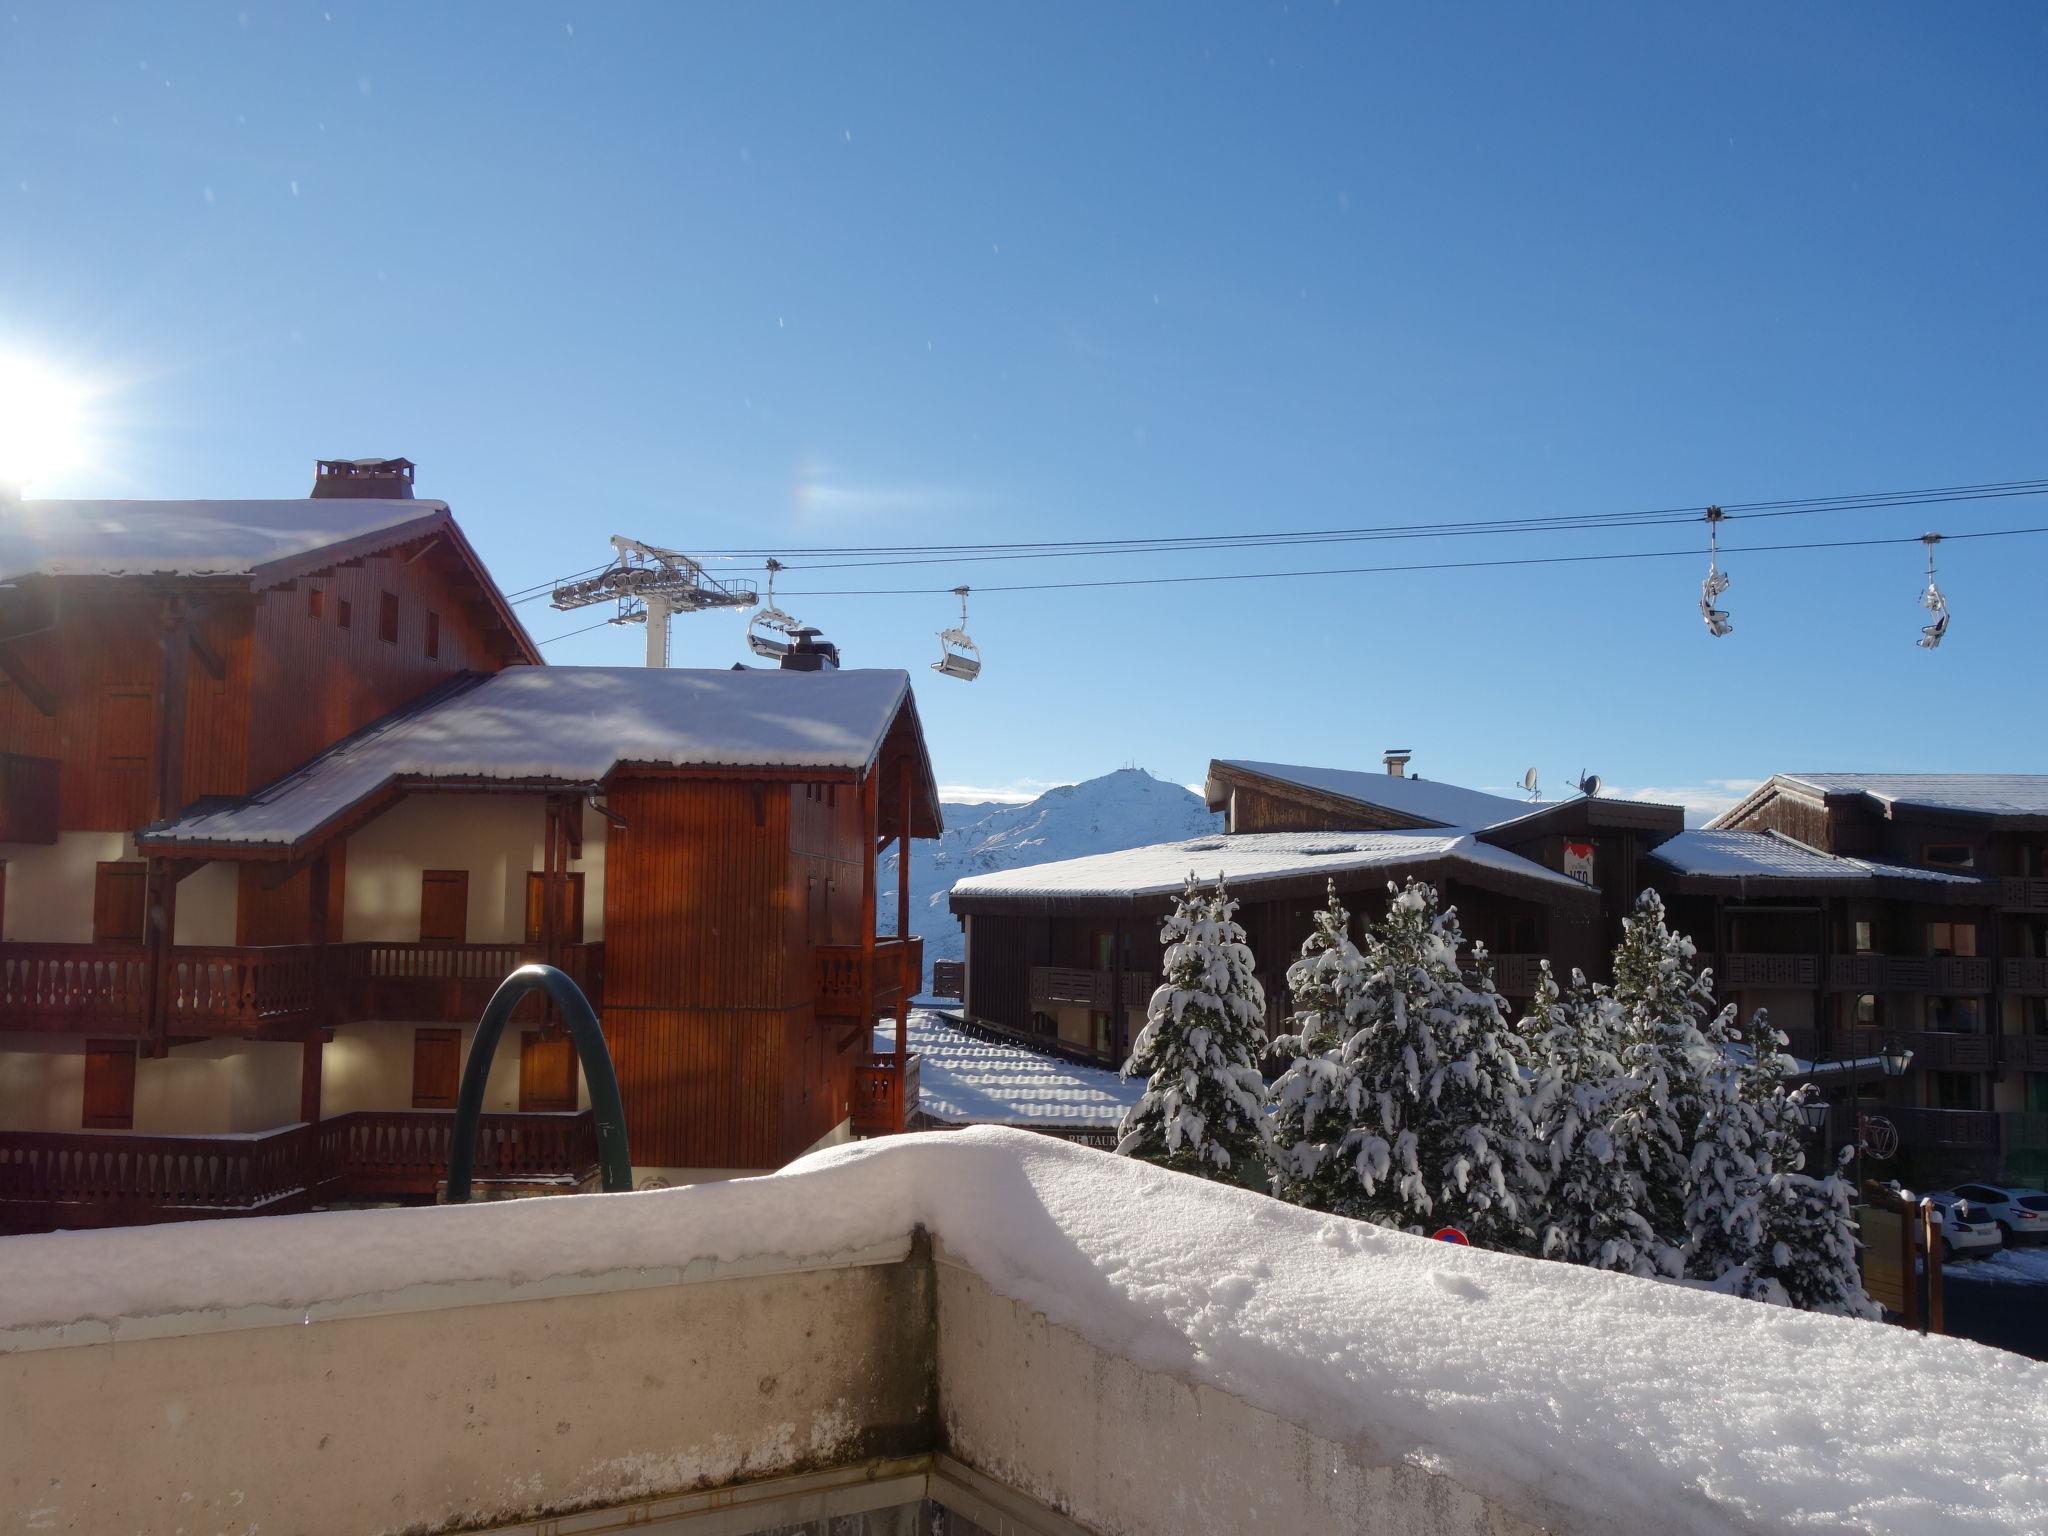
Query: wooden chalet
284	794
1911	907
1070	951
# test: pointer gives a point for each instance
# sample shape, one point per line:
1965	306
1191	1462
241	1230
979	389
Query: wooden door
444	906
118	903
109	1085
547	1073
436	1067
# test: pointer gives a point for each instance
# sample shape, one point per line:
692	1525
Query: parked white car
2021	1214
1964	1227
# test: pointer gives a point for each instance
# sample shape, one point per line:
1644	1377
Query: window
1866	1009
118	903
1983	1194
1864	939
1951	939
387	617
433	637
436	1067
109	1085
345	613
1952	1090
316	602
1956	1015
547	1073
444	906
569	919
1948	855
2037	1093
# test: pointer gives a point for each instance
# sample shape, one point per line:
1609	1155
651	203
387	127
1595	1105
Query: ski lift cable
1433	565
1558	523
1793	505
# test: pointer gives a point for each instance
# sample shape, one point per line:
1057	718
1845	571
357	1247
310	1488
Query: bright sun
42	422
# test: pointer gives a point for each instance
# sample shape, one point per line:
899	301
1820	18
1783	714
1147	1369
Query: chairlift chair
771	632
958	655
1932	600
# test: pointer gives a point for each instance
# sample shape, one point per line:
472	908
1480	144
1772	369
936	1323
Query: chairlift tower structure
649	585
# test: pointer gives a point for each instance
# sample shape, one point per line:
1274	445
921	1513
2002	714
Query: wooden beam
216	668
23	677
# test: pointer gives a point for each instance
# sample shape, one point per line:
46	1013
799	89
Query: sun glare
42	422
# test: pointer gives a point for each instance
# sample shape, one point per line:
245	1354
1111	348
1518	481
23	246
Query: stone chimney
1397	761
370	479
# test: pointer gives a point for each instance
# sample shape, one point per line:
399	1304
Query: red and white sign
1578	862
1451	1235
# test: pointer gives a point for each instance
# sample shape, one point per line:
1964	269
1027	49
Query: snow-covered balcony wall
1037	1336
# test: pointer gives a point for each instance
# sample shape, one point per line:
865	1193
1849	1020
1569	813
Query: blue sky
790	275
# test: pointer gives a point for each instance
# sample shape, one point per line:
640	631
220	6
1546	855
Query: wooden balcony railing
2023	894
87	988
1968	1129
405	1151
114	1180
1061	986
1965	974
85	1178
1933	1050
2027	976
2029	1053
880	1105
2024	1131
244	991
272	990
1755	969
842	980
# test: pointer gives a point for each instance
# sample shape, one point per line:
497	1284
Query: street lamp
1894	1058
1815	1110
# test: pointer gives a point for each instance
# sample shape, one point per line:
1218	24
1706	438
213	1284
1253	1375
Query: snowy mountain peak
1125	809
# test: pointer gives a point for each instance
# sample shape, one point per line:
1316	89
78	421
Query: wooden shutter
444	906
387	617
436	1067
547	1073
127	727
109	1085
569	926
118	902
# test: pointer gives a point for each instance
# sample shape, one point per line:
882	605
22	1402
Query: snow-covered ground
1125	809
2008	1266
965	1081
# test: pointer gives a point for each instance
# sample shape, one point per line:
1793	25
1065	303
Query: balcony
2023	1132
990	1320
89	1179
1933	1050
269	992
2027	1052
1951	974
1058	986
2022	894
1968	1130
2025	976
879	1109
1752	969
843	982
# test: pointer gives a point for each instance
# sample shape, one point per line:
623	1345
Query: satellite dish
1588	785
1529	783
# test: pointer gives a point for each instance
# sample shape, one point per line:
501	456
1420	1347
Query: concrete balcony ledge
1074	1340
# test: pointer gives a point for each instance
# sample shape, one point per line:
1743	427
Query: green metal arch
615	1167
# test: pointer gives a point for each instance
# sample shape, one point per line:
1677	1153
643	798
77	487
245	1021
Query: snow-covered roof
1772	856
1249	859
572	725
188	538
1579	1400
1975	794
963	1080
1447	805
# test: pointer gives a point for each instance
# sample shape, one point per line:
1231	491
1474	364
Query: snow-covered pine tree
1427	1124
1324	986
1663	1009
1807	1256
1588	1212
1724	1198
1203	1110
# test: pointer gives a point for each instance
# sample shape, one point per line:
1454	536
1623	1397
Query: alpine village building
285	792
1859	909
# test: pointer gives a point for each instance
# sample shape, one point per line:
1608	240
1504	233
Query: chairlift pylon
770	622
958	656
